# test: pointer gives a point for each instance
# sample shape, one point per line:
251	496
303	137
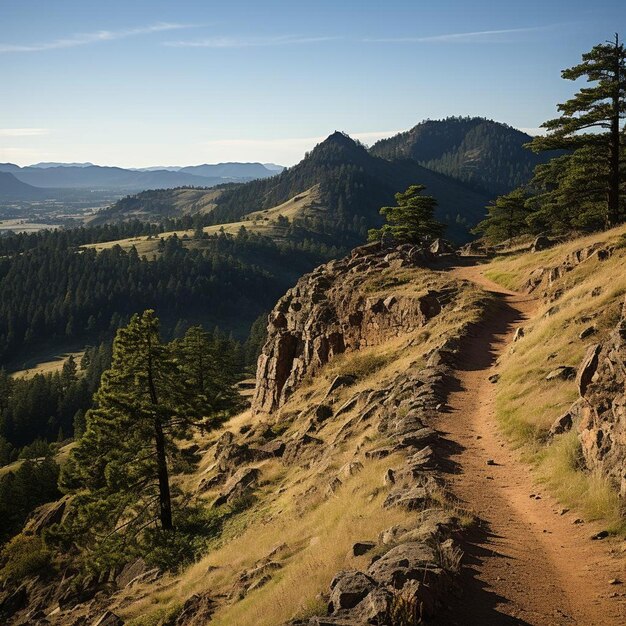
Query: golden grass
293	505
260	222
49	366
526	403
558	467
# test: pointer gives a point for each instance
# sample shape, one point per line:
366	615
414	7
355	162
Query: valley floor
529	562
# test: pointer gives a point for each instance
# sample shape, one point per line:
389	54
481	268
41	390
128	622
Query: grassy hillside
306	526
351	186
587	298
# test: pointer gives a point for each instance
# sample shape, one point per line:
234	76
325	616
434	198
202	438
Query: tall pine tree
592	120
119	470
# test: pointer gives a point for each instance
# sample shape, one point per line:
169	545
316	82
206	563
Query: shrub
24	556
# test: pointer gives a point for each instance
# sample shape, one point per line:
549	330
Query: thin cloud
23	132
247	42
84	39
475	36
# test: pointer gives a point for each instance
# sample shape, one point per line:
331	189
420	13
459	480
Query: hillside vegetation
580	297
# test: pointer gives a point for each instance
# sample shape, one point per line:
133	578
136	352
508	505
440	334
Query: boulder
45	516
562	372
274	448
130	572
241	482
323	412
587	368
441	246
362	547
348	588
109	619
411	498
407	561
541	243
197	611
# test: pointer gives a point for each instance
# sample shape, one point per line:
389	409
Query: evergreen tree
599	108
208	366
119	468
412	220
507	217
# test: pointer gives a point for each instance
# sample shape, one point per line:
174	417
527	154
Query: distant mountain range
85	176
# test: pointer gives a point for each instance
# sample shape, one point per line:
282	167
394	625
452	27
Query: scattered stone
348	588
603	534
519	334
362	547
491	462
350	469
323	412
578	521
615	581
389	478
541	243
109	619
587	332
198	609
243	479
563	372
563	511
494	378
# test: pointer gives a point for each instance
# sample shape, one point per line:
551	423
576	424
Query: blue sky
137	83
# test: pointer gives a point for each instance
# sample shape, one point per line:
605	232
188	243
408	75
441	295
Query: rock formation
602	384
327	314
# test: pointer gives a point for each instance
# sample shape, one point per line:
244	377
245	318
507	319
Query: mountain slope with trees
353	185
485	154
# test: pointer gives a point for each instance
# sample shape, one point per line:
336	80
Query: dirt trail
527	563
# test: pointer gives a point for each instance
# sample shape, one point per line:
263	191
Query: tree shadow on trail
472	603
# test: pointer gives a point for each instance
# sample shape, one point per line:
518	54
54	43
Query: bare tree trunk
613	213
165	498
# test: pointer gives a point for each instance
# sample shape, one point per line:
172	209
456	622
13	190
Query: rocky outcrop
602	384
545	277
327	314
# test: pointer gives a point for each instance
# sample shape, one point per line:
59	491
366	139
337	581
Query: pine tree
507	217
412	220
207	363
601	108
119	469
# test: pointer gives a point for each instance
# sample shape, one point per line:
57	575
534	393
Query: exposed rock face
326	314
546	276
601	382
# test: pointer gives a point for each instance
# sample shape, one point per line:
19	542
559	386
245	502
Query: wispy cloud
247	42
479	36
83	39
23	132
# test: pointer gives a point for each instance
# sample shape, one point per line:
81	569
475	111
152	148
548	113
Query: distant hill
47	164
13	189
351	185
231	170
116	179
486	154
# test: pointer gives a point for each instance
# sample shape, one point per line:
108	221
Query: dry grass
49	366
552	339
260	222
293	504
